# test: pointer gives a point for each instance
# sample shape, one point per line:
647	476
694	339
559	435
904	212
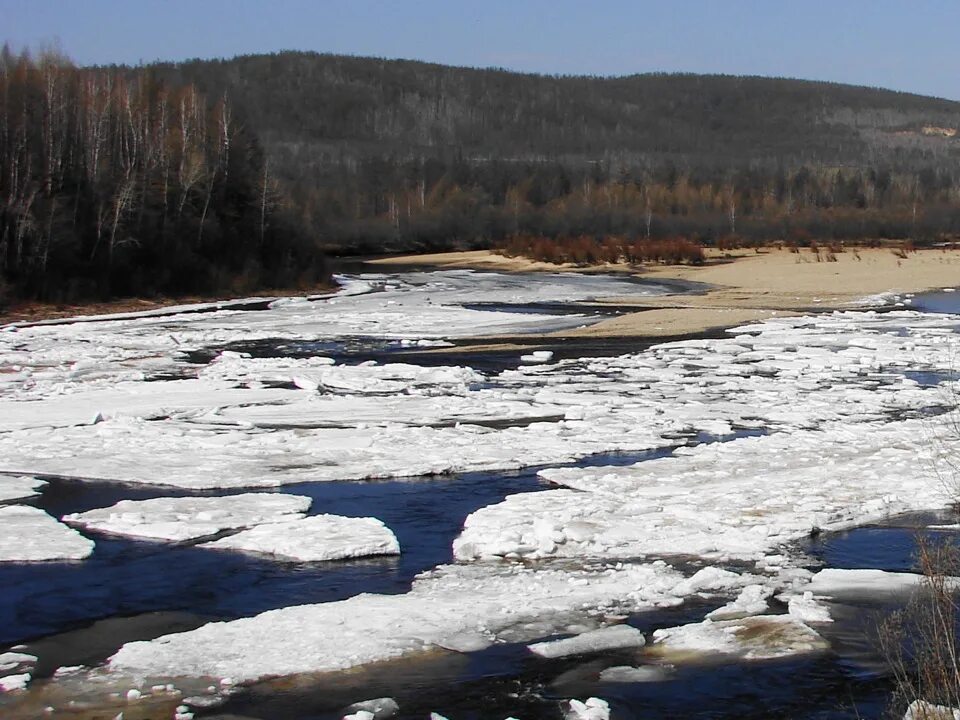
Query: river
403	422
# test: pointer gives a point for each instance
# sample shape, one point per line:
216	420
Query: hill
395	154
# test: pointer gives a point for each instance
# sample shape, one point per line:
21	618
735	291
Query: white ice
630	674
321	537
759	637
752	600
612	637
14	487
9	683
849	439
191	518
923	710
487	602
589	709
28	534
16	660
839	583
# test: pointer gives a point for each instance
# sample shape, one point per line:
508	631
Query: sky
910	46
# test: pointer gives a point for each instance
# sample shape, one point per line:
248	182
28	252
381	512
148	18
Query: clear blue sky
904	45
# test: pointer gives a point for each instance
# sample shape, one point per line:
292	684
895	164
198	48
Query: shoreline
740	286
732	288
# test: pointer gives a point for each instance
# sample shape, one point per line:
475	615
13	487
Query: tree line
232	175
119	183
386	155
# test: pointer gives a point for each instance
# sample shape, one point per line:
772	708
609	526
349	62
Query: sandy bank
746	285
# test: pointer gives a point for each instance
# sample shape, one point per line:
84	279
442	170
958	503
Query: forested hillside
116	183
232	175
383	154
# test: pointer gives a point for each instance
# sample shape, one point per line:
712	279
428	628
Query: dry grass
587	250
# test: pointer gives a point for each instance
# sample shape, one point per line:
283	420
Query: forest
232	175
386	155
115	183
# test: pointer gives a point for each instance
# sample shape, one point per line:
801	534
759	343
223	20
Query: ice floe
191	518
842	436
9	683
752	600
377	709
737	499
605	638
589	709
321	537
484	602
923	710
759	637
28	534
642	674
839	583
19	487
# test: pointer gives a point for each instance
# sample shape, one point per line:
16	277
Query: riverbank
34	312
744	285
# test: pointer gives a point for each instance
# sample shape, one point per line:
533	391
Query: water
129	577
72	613
938	301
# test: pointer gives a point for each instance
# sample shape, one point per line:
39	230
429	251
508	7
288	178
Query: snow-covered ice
752	600
841	435
9	683
28	534
14	487
191	518
321	537
16	660
923	710
839	583
759	637
590	709
605	638
454	603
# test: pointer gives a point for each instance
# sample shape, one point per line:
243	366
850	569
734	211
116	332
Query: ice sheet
739	499
489	602
605	638
191	518
28	534
320	537
14	487
760	637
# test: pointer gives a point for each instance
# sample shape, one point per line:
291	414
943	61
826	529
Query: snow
320	537
498	602
190	518
607	638
760	637
28	534
19	487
